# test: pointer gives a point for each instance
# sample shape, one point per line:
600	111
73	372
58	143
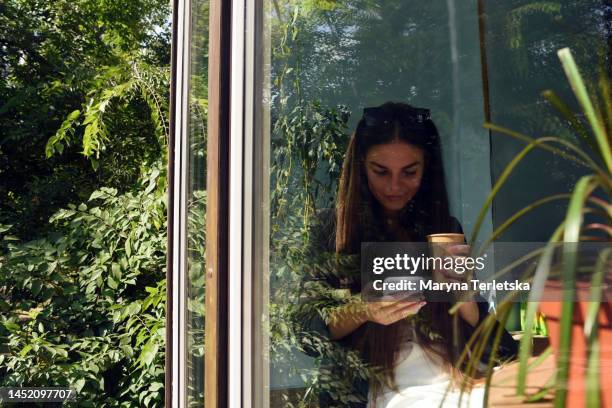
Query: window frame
217	216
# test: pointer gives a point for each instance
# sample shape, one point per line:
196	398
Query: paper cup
439	242
450	238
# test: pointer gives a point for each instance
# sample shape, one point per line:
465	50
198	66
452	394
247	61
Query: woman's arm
348	318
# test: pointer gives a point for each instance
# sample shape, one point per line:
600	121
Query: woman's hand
447	275
389	312
348	318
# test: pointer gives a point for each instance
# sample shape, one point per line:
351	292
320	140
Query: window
289	81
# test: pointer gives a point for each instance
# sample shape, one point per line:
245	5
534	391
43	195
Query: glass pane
196	223
522	39
329	61
324	62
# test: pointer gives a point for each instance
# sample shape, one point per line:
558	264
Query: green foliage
539	324
83	119
123	82
86	307
308	143
91	56
196	297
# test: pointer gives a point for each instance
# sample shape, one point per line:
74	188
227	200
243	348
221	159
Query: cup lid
446	237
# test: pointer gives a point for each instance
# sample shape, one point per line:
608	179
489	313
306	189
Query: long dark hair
358	219
355	207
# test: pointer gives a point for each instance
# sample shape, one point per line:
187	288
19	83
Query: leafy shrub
85	307
63	56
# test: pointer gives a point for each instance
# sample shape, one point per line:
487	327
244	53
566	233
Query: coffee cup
439	242
446	237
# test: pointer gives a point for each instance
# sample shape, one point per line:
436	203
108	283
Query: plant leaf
148	353
571	235
575	79
502	179
591	332
567	113
537	287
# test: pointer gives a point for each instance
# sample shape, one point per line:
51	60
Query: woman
392	188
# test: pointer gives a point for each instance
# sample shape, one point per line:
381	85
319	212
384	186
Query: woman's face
394	171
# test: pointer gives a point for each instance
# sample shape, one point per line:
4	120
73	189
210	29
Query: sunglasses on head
414	118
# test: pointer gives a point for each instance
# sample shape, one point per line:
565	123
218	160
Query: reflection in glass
196	222
328	61
521	41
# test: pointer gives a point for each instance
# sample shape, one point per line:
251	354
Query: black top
336	280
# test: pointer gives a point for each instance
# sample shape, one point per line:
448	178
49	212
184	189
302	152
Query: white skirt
423	383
